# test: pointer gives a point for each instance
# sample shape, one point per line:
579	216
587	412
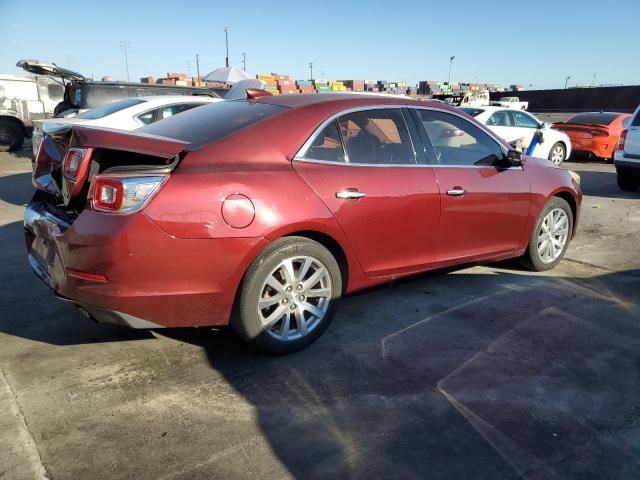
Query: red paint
180	260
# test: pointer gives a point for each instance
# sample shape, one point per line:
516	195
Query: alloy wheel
294	298
553	235
557	154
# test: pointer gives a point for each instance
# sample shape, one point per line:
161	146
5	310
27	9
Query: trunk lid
38	67
581	130
103	150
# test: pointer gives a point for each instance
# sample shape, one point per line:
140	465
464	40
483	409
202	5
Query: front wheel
288	295
550	237
558	153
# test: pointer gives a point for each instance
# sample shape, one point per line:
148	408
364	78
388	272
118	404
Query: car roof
163	99
341	100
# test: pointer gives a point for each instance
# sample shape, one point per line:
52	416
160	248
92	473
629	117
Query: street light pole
226	40
450	65
566	81
311	69
198	66
125	46
244	62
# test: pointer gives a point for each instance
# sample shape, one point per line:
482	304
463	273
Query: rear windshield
474	112
109	108
204	125
594	118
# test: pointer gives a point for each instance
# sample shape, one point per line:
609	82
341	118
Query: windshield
210	123
110	108
474	112
594	118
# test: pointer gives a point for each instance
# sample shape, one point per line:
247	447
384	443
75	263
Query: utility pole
188	68
124	46
311	69
593	80
69	61
198	66
566	81
450	65
244	62
226	39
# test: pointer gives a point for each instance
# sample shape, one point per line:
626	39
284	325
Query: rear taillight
124	194
622	141
75	161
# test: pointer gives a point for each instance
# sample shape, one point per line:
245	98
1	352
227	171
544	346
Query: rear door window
377	137
526	121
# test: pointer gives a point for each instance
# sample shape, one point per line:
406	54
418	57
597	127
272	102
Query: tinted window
526	121
457	141
474	112
207	124
594	118
501	119
171	110
636	120
327	145
377	137
110	108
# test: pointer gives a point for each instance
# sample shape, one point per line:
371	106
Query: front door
365	169
484	208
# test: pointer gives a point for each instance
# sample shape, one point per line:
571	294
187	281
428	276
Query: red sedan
262	212
594	133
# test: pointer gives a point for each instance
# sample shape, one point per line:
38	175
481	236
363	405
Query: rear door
364	167
484	208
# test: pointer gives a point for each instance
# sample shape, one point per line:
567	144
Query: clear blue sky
506	42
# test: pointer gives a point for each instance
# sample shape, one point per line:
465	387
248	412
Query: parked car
627	155
125	114
594	133
24	100
262	212
510	102
514	125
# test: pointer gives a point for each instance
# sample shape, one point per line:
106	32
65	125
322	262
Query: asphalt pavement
484	372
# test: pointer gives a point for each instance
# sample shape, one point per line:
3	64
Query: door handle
456	192
350	195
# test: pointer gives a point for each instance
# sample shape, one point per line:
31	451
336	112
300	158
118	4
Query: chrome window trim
299	156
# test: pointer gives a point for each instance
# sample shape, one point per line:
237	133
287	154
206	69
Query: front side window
456	141
526	121
377	137
55	91
327	146
501	119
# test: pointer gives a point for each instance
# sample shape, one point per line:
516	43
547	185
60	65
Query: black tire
246	319
532	259
558	145
628	182
11	136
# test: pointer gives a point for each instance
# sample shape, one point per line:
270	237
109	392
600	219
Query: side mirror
542	125
514	158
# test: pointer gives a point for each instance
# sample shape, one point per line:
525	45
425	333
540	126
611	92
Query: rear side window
327	146
109	108
207	124
456	141
377	137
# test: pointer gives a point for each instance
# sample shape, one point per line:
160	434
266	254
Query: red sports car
594	133
262	212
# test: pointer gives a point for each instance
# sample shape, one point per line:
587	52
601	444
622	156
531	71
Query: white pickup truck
511	102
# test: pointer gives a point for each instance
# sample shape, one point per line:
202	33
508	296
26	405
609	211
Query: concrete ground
485	372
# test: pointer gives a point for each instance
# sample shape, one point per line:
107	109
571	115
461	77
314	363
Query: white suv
627	156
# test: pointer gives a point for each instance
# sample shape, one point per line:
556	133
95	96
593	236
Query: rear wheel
11	136
628	182
288	295
550	237
558	153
